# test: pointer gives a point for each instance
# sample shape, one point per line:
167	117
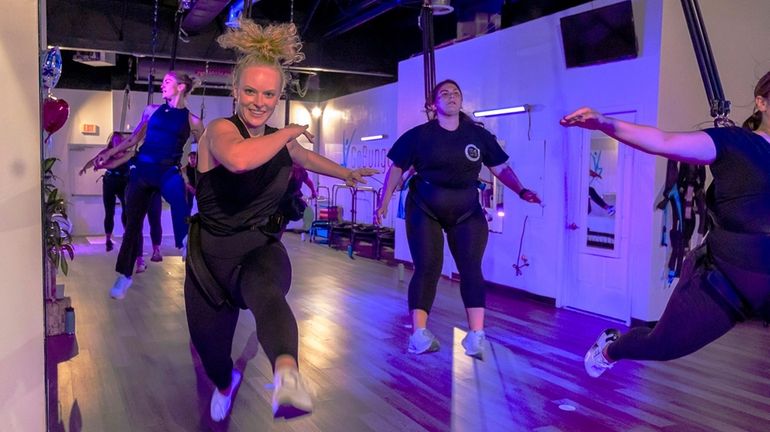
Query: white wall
22	399
371	112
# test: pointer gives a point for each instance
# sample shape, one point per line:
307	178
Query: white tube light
502	111
373	137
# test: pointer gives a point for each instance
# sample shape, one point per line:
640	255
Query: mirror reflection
602	191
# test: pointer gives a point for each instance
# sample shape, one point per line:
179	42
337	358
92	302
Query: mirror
602	191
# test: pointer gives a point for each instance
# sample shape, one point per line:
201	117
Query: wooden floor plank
134	368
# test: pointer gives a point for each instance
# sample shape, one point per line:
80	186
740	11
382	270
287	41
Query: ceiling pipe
346	25
310	17
305	69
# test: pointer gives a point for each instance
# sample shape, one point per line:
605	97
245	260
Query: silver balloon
51	68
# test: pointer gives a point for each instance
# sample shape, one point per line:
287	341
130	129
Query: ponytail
752	123
762	89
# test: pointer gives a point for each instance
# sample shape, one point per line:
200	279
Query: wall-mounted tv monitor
600	35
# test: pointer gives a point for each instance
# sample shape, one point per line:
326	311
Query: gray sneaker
120	287
291	397
423	341
474	343
594	360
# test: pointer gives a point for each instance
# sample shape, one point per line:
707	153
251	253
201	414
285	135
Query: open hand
586	118
356	176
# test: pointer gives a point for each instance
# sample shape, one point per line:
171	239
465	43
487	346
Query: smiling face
448	99
257	93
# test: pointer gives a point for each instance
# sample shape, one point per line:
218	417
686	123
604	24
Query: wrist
523	192
606	124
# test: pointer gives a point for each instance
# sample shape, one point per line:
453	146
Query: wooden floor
133	368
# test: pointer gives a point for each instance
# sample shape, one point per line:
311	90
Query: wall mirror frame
604	167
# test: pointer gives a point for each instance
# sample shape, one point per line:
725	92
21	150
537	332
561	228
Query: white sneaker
290	395
120	287
220	403
423	341
594	360
141	266
474	342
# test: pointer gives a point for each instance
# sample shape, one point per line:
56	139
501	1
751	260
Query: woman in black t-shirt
235	257
447	154
725	279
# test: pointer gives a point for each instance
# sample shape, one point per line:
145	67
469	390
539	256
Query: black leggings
153	218
114	186
694	317
256	272
467	242
145	181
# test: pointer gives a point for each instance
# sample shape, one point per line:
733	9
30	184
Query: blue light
236	10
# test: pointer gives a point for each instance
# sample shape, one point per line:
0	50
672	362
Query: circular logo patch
472	152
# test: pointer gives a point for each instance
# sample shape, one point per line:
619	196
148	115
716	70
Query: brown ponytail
752	123
761	89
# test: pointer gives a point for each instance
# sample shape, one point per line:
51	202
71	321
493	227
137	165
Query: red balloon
55	114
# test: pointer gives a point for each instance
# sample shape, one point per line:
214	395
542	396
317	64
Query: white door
597	262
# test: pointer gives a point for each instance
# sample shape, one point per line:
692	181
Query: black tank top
167	133
231	202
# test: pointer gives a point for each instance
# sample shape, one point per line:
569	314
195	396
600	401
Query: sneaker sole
587	359
475	354
434	346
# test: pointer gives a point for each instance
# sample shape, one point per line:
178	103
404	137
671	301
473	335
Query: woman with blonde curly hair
235	257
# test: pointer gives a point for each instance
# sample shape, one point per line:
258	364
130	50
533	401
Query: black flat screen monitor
600	35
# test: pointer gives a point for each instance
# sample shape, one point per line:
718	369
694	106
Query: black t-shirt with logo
740	199
446	158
